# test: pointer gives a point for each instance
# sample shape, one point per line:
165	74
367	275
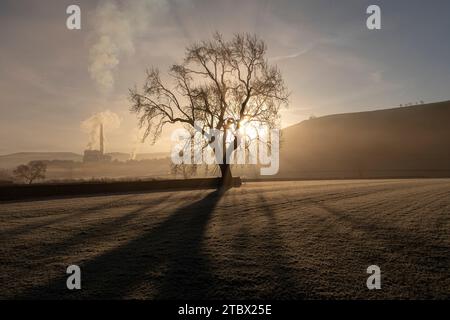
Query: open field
280	240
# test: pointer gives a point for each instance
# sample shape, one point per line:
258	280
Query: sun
251	130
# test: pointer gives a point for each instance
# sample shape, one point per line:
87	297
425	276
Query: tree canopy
218	83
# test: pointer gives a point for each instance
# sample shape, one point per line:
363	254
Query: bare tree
187	170
31	172
220	84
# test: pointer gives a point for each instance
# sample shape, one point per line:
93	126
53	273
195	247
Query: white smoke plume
137	142
117	25
113	39
91	126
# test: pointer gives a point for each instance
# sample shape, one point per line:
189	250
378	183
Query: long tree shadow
23	229
398	250
98	230
288	283
165	262
262	264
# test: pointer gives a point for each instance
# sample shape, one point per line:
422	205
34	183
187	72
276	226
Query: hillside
12	160
120	156
407	141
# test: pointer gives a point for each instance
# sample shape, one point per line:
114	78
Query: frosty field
281	240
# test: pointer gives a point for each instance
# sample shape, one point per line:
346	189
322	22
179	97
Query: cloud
310	47
294	55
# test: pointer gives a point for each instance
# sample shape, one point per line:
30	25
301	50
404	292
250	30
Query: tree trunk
225	169
226	181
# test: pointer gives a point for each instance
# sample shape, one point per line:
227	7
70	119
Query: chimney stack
101	139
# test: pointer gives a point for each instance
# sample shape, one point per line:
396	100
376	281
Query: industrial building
97	155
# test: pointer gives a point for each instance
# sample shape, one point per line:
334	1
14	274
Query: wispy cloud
291	56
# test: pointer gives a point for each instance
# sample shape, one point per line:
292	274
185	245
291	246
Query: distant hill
121	156
407	141
155	155
13	160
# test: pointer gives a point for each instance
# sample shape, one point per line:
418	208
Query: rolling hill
12	160
399	142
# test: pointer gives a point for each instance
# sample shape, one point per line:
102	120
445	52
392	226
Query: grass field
282	240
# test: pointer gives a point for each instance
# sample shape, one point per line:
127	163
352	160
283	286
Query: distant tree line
412	103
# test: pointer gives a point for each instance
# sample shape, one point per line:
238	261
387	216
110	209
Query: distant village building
97	155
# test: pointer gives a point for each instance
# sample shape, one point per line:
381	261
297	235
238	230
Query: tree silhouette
187	170
31	172
220	83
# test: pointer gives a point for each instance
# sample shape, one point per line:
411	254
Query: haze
52	79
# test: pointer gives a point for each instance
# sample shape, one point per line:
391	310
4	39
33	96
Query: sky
52	80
